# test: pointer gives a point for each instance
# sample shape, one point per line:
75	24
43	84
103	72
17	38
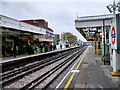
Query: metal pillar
95	46
0	44
104	35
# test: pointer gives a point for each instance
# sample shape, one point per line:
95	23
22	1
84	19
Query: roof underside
90	26
98	17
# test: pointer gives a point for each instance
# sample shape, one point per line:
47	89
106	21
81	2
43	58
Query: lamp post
118	5
115	60
113	8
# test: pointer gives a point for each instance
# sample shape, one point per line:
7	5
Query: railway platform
94	74
23	56
79	68
90	73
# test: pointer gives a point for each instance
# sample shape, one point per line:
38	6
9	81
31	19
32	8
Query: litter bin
99	51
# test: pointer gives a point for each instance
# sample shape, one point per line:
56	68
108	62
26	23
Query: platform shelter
97	29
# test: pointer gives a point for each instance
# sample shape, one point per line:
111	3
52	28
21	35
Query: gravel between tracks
20	83
60	77
52	76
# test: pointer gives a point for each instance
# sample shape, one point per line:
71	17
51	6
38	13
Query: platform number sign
113	36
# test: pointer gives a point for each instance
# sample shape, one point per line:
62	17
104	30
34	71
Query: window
35	21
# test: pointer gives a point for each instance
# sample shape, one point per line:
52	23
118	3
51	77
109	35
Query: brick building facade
42	23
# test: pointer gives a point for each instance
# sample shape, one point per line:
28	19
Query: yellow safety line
68	83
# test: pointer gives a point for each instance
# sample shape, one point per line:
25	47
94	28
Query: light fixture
118	5
112	8
109	7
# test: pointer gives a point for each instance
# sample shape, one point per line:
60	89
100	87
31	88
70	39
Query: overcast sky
60	15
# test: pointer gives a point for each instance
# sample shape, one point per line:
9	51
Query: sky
59	14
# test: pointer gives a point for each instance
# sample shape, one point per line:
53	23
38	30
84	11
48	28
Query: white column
118	62
28	41
110	50
114	61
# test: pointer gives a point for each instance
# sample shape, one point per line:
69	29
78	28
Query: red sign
113	35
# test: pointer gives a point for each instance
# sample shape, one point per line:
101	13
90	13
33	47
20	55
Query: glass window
35	21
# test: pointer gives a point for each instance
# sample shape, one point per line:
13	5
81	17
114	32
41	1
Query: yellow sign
47	40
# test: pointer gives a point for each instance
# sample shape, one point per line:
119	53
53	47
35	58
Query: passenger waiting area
38	51
28	50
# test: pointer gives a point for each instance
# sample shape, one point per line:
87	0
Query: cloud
60	15
57	1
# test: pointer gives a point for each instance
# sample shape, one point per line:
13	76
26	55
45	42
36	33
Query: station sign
115	32
113	36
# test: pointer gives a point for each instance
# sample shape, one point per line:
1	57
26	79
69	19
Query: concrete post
114	61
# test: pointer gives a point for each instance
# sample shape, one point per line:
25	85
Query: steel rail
7	82
14	72
41	78
49	83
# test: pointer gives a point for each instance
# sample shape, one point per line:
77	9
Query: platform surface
94	74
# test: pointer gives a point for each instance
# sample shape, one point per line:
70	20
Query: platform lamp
109	7
112	8
118	5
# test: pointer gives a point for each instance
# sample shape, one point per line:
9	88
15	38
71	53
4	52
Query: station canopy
91	26
12	27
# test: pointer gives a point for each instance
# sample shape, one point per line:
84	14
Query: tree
68	38
57	38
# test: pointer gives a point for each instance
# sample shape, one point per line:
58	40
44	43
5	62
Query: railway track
45	76
10	68
10	77
25	68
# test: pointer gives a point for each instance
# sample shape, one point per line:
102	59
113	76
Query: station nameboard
115	32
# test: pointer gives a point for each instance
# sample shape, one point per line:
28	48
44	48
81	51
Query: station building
20	34
48	37
98	30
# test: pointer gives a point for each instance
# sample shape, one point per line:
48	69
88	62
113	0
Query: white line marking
70	70
75	71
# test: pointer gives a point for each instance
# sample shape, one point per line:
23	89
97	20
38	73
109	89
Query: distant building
44	25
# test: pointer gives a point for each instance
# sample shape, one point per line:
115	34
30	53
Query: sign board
115	32
113	35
